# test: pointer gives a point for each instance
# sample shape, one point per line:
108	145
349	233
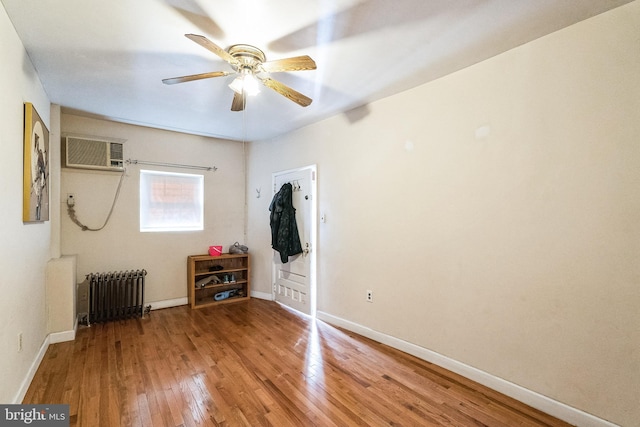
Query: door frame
313	229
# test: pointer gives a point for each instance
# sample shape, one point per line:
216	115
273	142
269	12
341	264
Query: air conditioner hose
72	212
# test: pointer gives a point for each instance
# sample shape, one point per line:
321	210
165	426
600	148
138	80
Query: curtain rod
171	165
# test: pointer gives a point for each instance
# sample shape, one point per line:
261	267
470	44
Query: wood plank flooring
255	363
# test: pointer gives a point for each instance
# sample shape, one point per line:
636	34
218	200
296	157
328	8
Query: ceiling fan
249	63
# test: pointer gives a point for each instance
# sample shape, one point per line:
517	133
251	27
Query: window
171	201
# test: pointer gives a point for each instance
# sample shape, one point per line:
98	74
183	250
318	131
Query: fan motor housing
249	56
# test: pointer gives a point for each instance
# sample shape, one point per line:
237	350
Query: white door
294	281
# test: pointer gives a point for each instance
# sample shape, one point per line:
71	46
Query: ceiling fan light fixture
246	83
251	86
237	85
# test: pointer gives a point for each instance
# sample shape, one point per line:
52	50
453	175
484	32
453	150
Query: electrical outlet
19	342
71	199
369	296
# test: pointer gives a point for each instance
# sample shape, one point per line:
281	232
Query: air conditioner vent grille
86	153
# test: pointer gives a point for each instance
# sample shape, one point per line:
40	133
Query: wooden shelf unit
199	268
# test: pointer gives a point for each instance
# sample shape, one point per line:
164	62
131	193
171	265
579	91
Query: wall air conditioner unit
92	153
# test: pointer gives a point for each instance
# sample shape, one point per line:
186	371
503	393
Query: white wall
495	214
120	245
24	250
516	253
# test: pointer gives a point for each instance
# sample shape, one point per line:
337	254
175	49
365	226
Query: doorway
294	282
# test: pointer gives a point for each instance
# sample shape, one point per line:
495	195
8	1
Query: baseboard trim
24	387
167	303
536	400
262	295
57	337
63	336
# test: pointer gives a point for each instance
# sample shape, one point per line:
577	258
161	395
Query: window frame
167	209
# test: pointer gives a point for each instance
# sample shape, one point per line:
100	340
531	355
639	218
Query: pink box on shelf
215	250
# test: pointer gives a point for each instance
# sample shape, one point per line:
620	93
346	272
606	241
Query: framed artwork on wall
35	199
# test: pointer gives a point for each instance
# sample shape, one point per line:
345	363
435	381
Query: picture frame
35	200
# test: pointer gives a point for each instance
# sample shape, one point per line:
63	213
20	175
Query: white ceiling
107	58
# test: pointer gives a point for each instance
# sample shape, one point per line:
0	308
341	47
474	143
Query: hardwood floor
256	364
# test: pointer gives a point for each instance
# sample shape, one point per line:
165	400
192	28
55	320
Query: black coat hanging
284	230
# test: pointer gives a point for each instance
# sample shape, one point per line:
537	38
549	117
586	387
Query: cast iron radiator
117	295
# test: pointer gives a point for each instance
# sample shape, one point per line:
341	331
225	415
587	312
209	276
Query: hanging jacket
284	230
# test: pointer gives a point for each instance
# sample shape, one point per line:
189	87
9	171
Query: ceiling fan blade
192	77
286	91
211	46
238	101
298	63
